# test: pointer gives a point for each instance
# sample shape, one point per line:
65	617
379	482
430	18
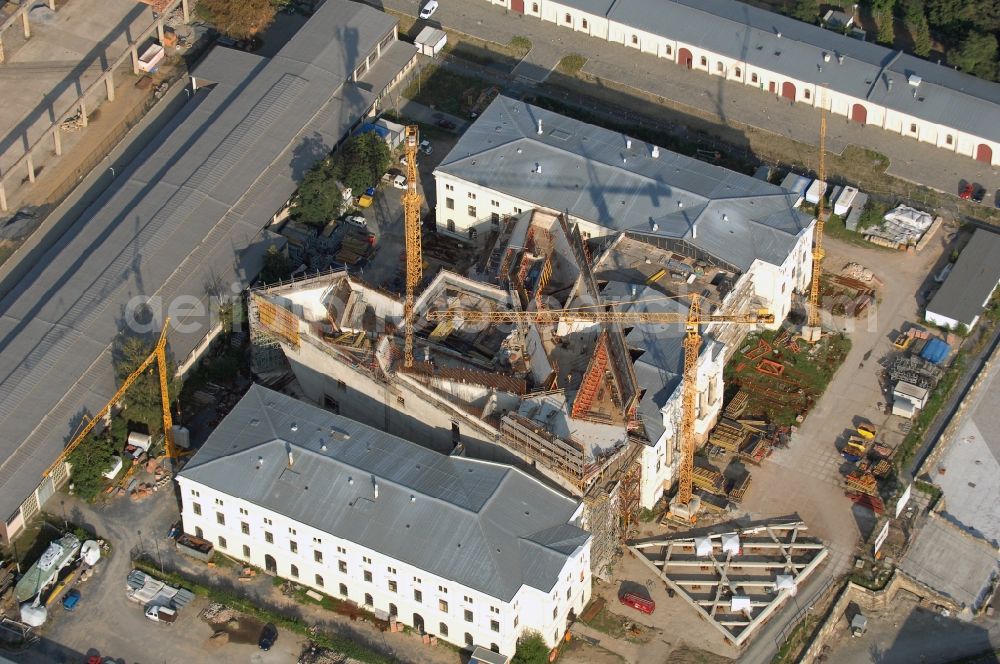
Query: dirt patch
686	655
237	627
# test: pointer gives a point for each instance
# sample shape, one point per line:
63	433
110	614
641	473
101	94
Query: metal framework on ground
735	580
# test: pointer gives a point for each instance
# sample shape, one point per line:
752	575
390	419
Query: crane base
686	514
812	333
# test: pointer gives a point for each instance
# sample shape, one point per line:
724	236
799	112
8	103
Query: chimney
694	230
291	459
322	445
624	161
375	486
778	35
260	461
656	152
840	59
889	83
656	227
826	57
725	217
538	167
539	126
628	143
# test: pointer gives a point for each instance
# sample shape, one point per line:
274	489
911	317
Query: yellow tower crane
411	221
814	329
692	320
158	355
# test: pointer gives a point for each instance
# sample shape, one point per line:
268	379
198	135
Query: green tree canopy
142	399
318	199
531	649
239	19
977	55
89	461
362	160
806	10
277	266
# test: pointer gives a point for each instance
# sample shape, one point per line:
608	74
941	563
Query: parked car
163	614
367	198
268	635
71	599
426	147
399	182
429	9
445	123
966	192
356	220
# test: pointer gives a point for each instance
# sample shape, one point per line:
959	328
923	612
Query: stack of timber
738	488
754	449
710	480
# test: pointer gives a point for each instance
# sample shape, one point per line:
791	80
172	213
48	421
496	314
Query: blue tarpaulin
935	350
382	132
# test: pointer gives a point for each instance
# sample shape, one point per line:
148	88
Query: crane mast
813	328
411	221
158	355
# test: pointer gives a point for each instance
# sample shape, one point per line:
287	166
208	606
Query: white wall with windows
344	570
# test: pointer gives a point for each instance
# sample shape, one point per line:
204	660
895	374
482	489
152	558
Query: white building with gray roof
517	156
802	63
178	230
473	552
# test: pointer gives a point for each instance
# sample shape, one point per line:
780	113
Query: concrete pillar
109	83
159	31
31	167
83	113
135	59
186	10
3	198
57	141
25	23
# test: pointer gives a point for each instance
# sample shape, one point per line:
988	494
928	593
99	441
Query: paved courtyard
726	102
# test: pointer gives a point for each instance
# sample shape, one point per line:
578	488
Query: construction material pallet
754	449
728	435
709	480
737	405
862	482
739	488
882	468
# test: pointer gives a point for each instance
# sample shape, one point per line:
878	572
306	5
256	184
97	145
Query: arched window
319	581
704	61
568	19
739	72
393	611
343	589
368	600
469	641
494	647
443	629
295	571
199	533
635	39
583	23
451	225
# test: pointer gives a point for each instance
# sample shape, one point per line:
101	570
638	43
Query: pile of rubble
313	654
219	614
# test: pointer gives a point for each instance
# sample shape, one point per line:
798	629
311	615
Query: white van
429	9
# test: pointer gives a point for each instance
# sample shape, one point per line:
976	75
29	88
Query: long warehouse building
179	230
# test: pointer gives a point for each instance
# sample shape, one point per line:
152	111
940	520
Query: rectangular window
449	187
704	61
534	7
495	203
416	579
495	625
449	203
243	511
669	50
341	549
317	540
753	78
195	493
244	527
268	521
569	591
948	139
268	537
495	610
443	606
291	531
293	545
806	94
913	127
517	210
366	559
472	211
196	508
568	19
720	67
467	599
319	581
583	24
222	542
472	196
635	39
417	595
392	586
401	401
246	551
468	616
495	219
391	570
442	589
516	620
318	556
368	576
218	501
220	518
342	566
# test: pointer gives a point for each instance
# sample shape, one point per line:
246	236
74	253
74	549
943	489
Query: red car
966	192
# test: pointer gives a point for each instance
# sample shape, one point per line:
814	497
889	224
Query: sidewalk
726	103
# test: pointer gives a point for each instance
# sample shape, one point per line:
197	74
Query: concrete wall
318	557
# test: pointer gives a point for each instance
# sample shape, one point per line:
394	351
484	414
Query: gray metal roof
184	220
589	171
484	525
970	283
945	96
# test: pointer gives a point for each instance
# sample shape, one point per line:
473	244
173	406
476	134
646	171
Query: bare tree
239	19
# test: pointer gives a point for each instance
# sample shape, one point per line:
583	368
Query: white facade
782	86
345	570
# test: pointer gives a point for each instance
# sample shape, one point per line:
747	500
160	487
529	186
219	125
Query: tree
88	463
806	10
318	199
142	400
277	266
531	649
239	19
882	11
362	160
976	55
921	33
